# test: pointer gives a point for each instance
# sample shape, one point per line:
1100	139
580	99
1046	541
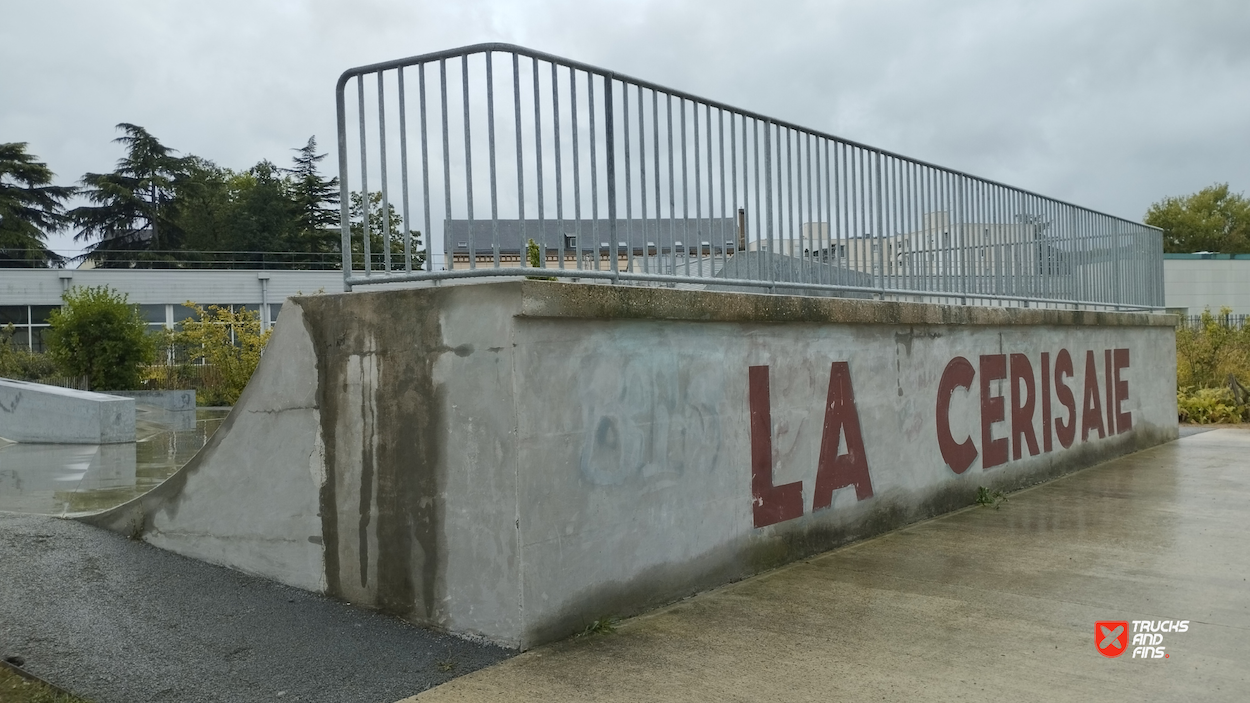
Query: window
570	241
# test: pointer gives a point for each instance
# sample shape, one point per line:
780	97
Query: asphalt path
115	620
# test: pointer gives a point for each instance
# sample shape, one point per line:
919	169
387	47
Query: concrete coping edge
545	299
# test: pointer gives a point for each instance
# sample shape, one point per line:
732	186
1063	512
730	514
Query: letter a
850	469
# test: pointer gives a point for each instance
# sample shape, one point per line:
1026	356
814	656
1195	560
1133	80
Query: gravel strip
116	620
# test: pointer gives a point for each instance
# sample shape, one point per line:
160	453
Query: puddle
55	479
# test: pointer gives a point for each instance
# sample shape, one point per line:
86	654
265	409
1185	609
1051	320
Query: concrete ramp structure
512	460
43	414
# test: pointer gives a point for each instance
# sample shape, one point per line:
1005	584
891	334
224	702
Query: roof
658	235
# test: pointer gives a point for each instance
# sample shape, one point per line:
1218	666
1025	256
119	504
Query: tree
232	341
100	335
134	216
316	201
265	216
377	227
1213	219
30	208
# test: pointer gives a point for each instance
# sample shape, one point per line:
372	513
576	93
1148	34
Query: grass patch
14	688
602	626
989	498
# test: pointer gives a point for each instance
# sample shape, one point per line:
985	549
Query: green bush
1212	358
22	364
1205	406
100	335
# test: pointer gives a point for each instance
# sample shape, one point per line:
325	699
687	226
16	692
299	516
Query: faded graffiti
641	418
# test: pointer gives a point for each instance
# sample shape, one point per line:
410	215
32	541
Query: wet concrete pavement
61	479
119	621
984	604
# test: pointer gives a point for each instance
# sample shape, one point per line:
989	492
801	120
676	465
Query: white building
28	296
1198	281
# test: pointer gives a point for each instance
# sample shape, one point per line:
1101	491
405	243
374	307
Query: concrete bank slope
514	460
981	605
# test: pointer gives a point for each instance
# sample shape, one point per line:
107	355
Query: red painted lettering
1123	420
1106	372
1022	406
994	451
770	504
958	455
1091	406
834	471
1047	430
1065	432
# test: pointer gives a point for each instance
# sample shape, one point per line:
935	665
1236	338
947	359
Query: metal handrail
893	227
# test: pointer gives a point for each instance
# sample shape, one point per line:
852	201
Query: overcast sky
1111	104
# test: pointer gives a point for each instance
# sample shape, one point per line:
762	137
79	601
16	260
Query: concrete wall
38	413
513	460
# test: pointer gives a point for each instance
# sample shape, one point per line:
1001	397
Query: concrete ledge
36	413
572	300
174	400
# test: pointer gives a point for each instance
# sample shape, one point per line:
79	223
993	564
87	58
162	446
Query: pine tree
316	201
134	216
30	208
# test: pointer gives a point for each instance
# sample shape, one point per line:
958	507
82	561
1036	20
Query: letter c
958	374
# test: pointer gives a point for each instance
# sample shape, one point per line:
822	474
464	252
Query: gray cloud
1111	104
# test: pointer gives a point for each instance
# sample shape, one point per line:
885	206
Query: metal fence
488	159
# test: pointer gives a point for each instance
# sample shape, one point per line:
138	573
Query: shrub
230	341
22	364
1212	358
1207	354
1204	406
100	335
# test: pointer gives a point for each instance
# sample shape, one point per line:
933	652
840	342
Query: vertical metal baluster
629	190
830	247
425	177
406	225
468	159
672	192
738	200
685	192
345	232
610	158
364	178
878	227
386	203
641	178
522	250
594	171
759	214
538	177
698	195
577	171
659	206
490	146
724	208
447	235
555	115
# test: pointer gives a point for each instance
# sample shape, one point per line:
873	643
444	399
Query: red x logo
1111	637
